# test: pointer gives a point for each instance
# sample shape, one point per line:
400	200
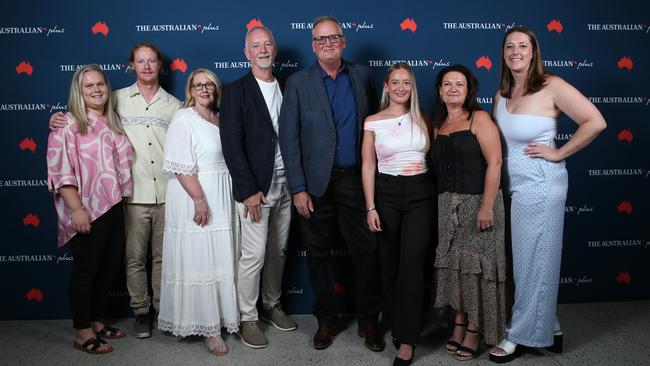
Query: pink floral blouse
97	163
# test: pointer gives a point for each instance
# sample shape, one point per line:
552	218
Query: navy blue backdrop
598	46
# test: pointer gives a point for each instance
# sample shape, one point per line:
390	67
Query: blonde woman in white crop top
395	143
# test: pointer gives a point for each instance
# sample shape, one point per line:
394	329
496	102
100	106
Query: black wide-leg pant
406	208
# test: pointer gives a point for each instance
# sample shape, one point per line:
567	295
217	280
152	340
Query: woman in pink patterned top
89	171
395	143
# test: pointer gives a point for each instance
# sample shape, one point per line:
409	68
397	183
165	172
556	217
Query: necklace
399	123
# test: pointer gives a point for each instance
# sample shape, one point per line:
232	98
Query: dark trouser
407	214
97	257
343	205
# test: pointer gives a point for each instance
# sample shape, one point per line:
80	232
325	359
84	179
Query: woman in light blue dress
527	107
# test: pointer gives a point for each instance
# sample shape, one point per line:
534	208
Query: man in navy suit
320	135
249	114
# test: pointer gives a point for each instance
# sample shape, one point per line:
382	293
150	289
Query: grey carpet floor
595	334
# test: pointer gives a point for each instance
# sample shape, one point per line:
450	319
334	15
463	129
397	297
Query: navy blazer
247	137
307	130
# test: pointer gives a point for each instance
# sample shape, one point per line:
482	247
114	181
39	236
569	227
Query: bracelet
199	201
373	208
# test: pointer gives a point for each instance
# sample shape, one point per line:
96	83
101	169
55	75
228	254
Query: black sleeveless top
459	163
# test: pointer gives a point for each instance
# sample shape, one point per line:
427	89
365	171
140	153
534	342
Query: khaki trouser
263	244
145	223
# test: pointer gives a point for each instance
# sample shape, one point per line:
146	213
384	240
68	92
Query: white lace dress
198	295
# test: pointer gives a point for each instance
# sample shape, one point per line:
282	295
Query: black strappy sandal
471	353
454	343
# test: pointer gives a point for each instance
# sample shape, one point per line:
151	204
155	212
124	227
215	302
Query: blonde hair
77	105
414	109
189	98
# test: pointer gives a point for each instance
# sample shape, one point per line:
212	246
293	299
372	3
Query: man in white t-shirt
249	114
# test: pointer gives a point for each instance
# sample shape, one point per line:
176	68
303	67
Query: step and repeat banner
600	47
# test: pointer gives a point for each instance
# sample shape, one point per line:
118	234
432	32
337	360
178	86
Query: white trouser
263	244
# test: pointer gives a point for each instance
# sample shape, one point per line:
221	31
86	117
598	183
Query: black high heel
401	362
557	343
454	343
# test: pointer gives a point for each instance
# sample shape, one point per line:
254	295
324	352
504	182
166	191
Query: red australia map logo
101	28
178	65
339	288
34	295
410	24
625	206
254	23
624	277
28	143
31	219
625	63
484	62
24	67
554	25
625	135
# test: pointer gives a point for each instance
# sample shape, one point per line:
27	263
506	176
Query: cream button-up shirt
146	126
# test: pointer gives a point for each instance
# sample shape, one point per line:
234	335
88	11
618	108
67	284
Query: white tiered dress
198	295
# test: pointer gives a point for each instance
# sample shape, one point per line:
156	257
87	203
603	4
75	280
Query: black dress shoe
323	337
374	340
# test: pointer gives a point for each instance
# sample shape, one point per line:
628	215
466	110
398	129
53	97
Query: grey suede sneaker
142	326
252	336
278	318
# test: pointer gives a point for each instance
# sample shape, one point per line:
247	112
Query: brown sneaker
251	335
278	318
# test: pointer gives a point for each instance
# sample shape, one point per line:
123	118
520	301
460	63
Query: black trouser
342	205
405	205
97	258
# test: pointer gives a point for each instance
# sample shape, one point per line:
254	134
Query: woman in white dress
198	295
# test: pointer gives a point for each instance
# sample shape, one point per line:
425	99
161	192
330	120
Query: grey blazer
307	130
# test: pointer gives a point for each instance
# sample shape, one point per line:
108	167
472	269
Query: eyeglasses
333	38
199	86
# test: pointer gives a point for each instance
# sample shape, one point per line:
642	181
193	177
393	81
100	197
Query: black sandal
471	352
92	346
109	332
454	343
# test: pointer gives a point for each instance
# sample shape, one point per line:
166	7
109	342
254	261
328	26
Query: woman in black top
470	258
